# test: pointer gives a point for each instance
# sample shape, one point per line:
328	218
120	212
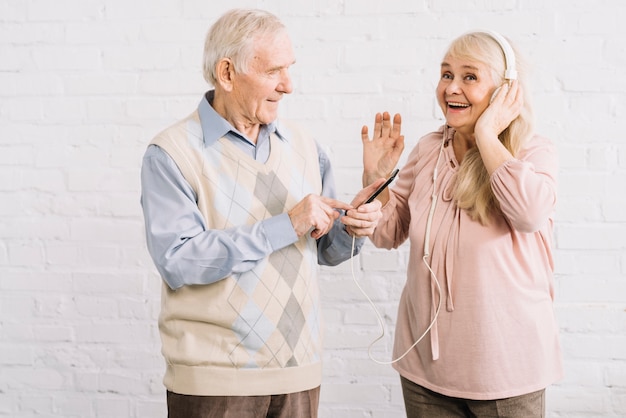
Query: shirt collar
214	126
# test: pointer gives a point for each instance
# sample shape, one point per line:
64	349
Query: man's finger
335	204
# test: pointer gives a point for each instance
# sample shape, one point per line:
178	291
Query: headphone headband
510	72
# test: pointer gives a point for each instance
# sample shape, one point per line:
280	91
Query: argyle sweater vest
258	332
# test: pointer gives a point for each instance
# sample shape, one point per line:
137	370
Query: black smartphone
381	188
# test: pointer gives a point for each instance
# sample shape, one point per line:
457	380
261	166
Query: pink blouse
495	335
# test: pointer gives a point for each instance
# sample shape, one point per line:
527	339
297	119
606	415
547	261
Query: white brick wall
85	84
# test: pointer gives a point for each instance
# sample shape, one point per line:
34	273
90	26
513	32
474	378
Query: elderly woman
476	334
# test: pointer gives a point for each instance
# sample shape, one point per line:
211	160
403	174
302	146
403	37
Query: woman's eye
446	76
470	77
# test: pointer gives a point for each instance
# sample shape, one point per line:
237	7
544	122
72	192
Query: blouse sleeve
526	187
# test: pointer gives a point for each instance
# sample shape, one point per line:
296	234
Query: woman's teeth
458	105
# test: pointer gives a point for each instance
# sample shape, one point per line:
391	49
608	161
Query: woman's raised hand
382	152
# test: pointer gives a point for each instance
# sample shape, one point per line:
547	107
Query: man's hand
316	214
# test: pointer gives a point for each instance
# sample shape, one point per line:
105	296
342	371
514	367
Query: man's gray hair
233	35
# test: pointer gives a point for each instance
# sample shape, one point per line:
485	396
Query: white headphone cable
380	320
424	259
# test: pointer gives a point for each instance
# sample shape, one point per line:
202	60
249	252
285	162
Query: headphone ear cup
495	92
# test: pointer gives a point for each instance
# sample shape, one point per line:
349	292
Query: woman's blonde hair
472	190
233	35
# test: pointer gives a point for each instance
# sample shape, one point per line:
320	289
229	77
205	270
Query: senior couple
240	208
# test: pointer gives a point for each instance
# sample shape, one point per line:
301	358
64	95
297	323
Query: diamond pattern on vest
289	341
271	192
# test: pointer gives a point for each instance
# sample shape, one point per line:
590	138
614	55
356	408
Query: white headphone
510	72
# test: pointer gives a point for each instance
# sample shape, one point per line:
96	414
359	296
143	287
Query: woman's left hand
363	219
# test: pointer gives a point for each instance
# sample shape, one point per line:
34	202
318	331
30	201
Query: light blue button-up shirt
184	250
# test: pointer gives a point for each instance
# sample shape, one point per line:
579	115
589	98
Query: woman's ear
224	72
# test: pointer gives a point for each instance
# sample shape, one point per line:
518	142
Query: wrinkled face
463	92
258	91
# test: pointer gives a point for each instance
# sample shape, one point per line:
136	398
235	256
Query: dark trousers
420	402
292	405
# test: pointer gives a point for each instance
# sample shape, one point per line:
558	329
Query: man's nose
286	85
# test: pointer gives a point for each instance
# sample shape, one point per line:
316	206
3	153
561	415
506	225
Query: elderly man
239	210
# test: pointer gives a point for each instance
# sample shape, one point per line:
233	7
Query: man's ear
225	71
